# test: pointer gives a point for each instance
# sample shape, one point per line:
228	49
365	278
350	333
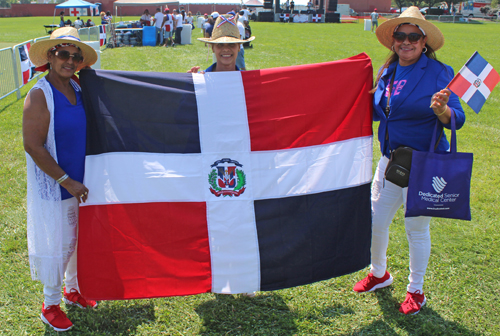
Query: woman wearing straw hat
410	80
225	41
54	133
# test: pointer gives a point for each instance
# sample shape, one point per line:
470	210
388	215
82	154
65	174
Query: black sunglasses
412	37
64	55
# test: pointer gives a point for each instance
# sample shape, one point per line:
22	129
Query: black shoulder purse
398	168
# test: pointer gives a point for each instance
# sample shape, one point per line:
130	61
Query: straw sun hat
38	51
226	31
435	38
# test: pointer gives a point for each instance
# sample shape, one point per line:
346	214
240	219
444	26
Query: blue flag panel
159	109
282	225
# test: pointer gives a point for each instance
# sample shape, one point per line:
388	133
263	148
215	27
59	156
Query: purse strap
388	105
453	138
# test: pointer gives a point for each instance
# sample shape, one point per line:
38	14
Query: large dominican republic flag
475	81
225	182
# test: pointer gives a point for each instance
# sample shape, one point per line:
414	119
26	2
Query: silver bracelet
62	178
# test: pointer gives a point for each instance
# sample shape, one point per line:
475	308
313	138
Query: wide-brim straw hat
435	38
38	51
226	31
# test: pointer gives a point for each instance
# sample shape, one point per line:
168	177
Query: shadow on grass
336	310
109	318
427	322
8	105
265	314
13	101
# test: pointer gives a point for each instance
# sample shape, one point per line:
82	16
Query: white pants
386	200
53	294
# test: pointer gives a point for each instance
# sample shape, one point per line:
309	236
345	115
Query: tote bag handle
453	139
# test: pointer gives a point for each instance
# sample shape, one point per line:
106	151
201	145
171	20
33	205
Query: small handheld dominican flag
475	81
102	35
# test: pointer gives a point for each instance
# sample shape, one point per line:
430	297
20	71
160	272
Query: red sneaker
370	283
75	298
55	317
413	303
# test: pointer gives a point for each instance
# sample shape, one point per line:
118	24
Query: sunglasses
64	55
412	37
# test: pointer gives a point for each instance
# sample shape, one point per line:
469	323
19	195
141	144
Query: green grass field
463	278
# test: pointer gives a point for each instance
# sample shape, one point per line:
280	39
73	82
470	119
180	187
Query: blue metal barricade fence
7	81
84	34
94	33
41	38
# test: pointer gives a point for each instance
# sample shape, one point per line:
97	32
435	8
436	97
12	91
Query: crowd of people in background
77	24
169	24
106	18
290	5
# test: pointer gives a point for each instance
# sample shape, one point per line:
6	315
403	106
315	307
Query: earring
424	50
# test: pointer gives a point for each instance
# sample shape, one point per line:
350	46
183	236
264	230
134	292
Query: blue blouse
70	129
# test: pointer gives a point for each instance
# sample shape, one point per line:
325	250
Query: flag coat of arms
27	68
475	81
225	182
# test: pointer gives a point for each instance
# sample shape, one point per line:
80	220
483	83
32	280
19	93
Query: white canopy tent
76	4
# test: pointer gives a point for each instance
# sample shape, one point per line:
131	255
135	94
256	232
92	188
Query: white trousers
53	294
386	200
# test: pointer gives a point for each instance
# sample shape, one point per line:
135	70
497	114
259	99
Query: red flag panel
459	85
133	250
492	79
340	115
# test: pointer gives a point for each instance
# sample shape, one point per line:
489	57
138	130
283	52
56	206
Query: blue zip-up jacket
411	121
